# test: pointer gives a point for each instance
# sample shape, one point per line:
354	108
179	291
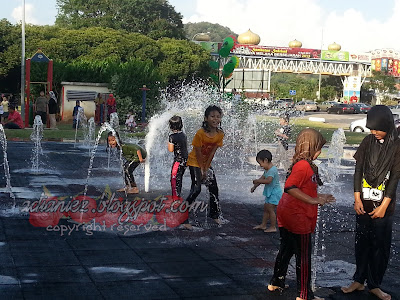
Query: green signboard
335	55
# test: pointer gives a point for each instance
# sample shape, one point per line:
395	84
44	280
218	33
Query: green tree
217	32
381	82
156	18
182	60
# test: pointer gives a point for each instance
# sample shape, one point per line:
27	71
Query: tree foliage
182	60
154	18
217	32
381	82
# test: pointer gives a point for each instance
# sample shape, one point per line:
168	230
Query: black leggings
300	246
129	167
177	171
372	249
211	183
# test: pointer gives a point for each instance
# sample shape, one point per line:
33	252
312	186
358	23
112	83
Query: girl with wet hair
297	214
375	183
205	143
132	155
177	143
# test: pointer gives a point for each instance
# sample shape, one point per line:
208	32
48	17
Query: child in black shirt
177	143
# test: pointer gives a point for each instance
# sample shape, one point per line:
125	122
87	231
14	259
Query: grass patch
267	125
64	132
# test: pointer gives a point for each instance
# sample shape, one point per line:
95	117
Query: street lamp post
23	62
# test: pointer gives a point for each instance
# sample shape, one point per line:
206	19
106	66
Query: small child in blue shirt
272	190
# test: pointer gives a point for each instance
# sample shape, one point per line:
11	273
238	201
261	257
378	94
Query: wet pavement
231	261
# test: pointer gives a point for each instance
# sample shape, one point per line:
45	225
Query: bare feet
355	286
261	226
133	190
122	190
272	288
380	294
218	221
271	229
188	226
315	298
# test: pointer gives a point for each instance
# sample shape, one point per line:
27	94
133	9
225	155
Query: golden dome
202	37
334	47
295	44
249	38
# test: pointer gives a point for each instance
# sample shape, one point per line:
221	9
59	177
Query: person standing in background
41	107
99	113
52	110
111	106
4	103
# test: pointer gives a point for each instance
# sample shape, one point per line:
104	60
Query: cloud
29	14
279	22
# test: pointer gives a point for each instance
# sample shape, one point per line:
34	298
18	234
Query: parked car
326	104
306	106
286	103
341	108
395	109
360	108
360	125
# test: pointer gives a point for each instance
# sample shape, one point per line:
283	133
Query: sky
357	25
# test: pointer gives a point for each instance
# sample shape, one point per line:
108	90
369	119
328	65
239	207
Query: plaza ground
231	261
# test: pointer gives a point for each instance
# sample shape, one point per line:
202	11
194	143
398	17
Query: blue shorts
273	199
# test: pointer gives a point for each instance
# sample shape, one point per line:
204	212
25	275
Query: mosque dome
249	38
334	47
202	37
295	44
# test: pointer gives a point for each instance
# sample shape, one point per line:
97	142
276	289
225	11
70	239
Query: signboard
335	55
351	89
360	57
292	92
281	52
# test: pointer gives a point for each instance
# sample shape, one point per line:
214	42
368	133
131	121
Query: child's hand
325	198
359	207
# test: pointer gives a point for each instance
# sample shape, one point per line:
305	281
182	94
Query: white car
360	125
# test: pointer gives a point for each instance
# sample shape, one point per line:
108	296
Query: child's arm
263	180
170	147
140	156
320	199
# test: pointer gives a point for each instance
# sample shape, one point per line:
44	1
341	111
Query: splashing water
3	141
114	121
36	136
190	101
89	134
104	127
330	172
81	121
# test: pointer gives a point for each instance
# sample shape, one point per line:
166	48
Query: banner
351	89
335	55
281	52
360	57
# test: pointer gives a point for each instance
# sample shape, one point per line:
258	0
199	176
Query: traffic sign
292	92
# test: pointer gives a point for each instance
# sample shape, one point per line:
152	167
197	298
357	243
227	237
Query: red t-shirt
295	215
15	117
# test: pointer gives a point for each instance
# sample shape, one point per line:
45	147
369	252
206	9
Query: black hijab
379	156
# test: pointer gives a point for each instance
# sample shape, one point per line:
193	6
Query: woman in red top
297	213
111	106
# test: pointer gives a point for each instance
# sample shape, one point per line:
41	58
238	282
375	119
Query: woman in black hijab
375	182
